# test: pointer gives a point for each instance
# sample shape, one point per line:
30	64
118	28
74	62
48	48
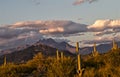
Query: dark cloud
91	42
64	29
22	33
61	40
28	31
110	31
21	40
8	33
102	40
56	27
76	34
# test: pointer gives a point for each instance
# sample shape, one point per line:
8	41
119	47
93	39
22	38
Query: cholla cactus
79	69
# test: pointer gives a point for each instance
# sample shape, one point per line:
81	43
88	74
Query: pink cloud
78	2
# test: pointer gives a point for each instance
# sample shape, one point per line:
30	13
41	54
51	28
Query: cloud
101	25
104	31
63	28
29	31
102	40
18	34
7	32
76	34
78	2
61	40
20	40
52	30
98	41
109	31
2	41
55	27
37	2
21	33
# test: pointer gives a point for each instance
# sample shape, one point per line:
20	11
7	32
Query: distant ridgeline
48	51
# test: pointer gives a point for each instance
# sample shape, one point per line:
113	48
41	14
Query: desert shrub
65	68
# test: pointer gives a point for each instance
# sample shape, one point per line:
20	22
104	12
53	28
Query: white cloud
105	27
101	25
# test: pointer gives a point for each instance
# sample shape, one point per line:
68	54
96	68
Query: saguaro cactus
61	56
94	52
95	47
5	62
114	46
57	55
79	70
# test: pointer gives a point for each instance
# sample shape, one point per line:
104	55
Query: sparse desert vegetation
103	65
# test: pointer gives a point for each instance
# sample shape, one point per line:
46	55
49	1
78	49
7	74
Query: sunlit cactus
79	69
61	56
94	52
114	46
5	62
57	55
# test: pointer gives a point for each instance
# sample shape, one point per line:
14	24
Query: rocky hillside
28	53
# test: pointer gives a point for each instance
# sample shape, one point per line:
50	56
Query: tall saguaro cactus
94	52
95	47
61	55
78	57
57	55
5	62
114	46
79	70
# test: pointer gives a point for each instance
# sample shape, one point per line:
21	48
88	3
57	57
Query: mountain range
29	52
102	48
48	47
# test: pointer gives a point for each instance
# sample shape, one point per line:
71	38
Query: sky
13	10
93	20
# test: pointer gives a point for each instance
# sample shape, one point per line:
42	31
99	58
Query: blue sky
12	11
101	16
